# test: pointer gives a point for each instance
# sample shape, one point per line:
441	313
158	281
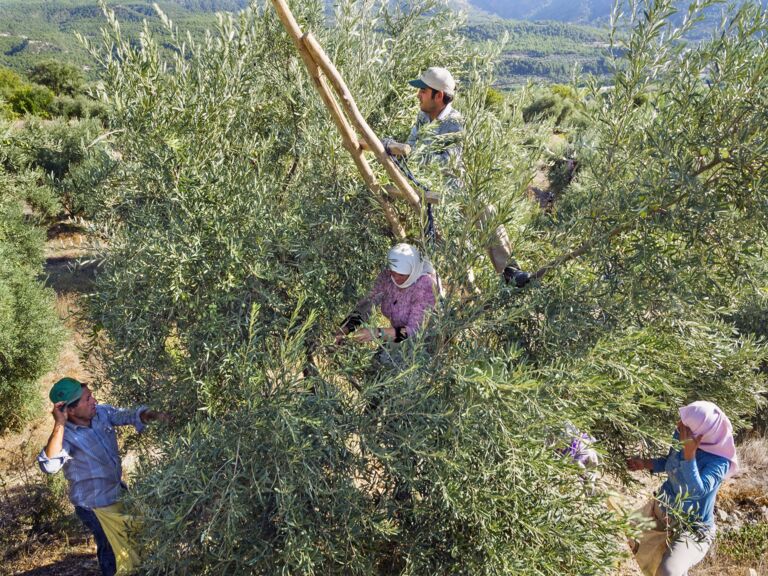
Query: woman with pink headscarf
694	475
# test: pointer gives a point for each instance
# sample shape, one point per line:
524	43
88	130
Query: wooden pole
374	144
349	140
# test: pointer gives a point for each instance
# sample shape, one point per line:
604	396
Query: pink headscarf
707	421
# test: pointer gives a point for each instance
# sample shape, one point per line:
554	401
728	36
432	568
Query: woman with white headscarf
695	472
404	291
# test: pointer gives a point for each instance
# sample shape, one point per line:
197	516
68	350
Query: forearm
387	333
379	333
55	441
701	481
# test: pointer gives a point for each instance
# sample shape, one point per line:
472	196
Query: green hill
543	51
36	30
595	12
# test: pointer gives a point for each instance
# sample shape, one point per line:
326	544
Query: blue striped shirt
90	457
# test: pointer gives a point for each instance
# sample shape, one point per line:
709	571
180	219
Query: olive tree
30	332
241	236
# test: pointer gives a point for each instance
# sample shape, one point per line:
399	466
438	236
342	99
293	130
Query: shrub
78	107
494	99
746	546
61	155
6	112
542	107
561	105
9	82
31	99
33	507
60	77
30	333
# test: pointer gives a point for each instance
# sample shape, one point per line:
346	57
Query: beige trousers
499	249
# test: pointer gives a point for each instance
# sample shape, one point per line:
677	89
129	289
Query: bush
9	82
6	112
746	546
494	99
57	90
31	99
30	333
34	508
561	105
60	155
78	107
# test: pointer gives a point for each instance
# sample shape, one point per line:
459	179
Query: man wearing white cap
443	140
437	137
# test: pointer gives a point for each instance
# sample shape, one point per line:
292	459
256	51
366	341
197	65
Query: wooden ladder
345	116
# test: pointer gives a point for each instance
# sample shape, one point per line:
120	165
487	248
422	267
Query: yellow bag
653	542
117	526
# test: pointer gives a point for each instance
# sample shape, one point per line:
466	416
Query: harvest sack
653	541
655	547
117	525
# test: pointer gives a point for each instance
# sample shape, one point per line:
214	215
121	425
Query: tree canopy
60	77
241	236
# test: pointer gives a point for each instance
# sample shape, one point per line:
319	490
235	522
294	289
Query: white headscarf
406	259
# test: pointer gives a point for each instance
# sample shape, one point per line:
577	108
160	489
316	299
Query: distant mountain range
584	11
547	39
577	11
594	12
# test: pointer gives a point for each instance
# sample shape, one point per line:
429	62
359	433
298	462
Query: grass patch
746	546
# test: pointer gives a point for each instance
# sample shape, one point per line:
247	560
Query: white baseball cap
436	78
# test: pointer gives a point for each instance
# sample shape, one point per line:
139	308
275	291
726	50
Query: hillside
543	51
564	10
595	12
35	30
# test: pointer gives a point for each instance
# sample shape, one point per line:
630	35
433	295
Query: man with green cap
436	138
84	443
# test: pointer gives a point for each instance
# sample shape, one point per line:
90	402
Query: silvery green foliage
30	332
241	236
67	159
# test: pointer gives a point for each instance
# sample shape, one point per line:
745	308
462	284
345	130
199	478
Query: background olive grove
240	236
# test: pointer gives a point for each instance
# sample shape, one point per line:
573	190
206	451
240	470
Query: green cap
66	390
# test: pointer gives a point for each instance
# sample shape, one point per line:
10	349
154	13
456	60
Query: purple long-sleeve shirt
403	307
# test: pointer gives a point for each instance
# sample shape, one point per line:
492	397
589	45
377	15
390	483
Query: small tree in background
242	236
62	78
30	332
63	161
